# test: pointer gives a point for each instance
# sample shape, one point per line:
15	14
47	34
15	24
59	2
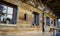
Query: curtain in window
37	20
14	19
34	19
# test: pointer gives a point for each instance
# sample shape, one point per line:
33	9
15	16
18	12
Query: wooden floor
33	33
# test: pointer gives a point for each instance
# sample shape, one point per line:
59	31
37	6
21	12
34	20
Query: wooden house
21	17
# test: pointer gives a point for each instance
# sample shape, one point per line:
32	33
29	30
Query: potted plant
8	20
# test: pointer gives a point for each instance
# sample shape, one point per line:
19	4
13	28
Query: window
7	14
25	16
54	22
48	21
36	19
58	25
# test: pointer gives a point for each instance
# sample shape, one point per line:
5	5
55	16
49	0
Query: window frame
35	23
10	5
48	21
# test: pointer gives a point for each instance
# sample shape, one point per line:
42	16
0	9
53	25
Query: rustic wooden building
17	16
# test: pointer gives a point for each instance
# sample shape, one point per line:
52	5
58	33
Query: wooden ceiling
54	5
